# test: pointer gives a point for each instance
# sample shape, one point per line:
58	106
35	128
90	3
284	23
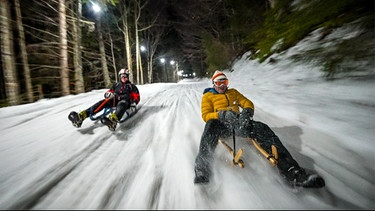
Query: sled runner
272	158
107	111
77	120
312	180
236	155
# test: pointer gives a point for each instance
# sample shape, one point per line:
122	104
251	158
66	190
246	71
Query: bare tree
64	71
77	55
126	32
152	38
7	53
137	13
194	20
24	57
138	7
151	24
113	57
107	80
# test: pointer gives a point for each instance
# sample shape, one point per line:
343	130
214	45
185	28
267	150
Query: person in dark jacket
121	95
220	109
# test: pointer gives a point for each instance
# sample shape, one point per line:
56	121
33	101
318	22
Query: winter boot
200	177
76	118
111	122
299	177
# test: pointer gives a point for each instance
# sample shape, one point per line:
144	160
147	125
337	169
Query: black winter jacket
125	91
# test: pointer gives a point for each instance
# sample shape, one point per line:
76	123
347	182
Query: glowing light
96	7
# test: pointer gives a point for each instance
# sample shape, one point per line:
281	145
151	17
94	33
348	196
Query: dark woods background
199	35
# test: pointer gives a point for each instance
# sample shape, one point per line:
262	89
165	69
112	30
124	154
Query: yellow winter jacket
212	102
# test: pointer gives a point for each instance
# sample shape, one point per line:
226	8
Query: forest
54	48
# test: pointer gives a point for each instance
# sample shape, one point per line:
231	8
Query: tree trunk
7	54
150	72
151	32
137	52
113	58
64	71
77	36
127	43
24	56
107	80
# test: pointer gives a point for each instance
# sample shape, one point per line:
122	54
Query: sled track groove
42	186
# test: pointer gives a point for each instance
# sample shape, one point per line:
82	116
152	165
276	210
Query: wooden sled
272	158
236	155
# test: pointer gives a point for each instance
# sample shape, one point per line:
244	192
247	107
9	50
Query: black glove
228	118
245	118
109	95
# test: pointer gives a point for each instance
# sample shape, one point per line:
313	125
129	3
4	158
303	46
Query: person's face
124	78
221	85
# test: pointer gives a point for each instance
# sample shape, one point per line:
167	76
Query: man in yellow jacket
221	111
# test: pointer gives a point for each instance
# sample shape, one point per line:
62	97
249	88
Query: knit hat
218	75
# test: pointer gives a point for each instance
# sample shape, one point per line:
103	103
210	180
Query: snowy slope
148	163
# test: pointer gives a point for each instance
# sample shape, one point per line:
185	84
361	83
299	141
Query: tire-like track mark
118	189
42	186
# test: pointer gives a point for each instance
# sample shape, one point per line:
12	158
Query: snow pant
121	107
214	130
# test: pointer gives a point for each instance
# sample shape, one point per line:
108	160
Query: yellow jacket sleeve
213	102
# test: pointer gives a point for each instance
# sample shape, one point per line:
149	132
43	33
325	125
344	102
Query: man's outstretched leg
210	137
297	176
287	166
77	118
114	118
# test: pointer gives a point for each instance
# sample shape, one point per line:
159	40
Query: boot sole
74	118
108	123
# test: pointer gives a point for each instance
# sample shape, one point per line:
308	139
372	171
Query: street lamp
143	48
149	65
173	69
162	60
175	72
96	7
180	74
